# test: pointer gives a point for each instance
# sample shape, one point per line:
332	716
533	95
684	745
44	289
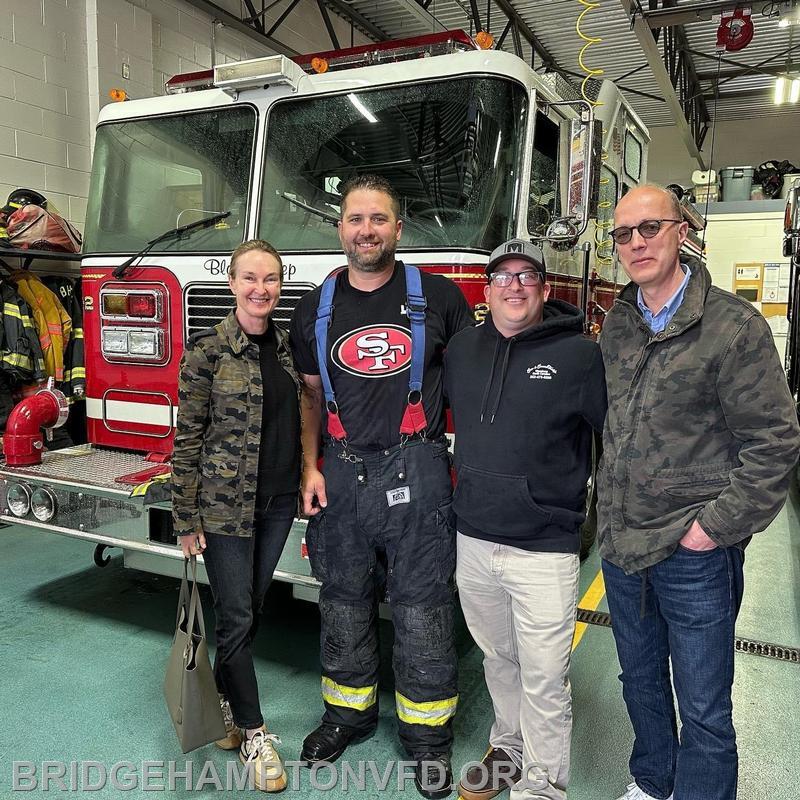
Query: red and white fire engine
479	146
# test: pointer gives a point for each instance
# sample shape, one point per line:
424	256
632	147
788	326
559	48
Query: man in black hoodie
526	388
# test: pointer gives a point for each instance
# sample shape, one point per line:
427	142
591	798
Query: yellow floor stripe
594	594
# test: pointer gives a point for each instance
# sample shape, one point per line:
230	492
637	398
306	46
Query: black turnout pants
394	507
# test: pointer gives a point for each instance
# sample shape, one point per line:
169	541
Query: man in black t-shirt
381	505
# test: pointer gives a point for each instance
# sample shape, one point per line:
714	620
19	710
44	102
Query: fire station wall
737	143
741	238
44	134
59	59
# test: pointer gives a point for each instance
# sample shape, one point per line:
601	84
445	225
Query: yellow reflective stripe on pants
433	712
359	698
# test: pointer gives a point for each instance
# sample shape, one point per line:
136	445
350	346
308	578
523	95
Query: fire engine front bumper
74	492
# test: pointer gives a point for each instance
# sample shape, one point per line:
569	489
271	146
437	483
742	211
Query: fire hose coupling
23	443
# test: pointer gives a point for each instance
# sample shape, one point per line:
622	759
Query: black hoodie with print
524	408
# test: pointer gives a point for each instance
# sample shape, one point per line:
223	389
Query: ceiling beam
344	9
231	21
580	76
538	48
420	14
697	12
687	127
764	93
285	13
255	18
729	75
323	10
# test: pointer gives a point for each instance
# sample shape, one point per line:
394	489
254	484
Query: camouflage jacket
700	425
218	434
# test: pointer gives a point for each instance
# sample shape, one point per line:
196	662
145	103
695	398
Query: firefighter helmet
24	197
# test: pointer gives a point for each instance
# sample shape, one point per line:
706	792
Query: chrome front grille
206	304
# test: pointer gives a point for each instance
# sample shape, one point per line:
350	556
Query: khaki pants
520	609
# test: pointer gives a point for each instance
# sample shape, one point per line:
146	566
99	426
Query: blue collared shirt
658	322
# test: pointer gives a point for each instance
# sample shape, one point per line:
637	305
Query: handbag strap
182	614
195	623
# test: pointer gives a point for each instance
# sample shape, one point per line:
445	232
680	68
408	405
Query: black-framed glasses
648	229
504	279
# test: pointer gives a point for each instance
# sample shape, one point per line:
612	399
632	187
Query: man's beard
372	263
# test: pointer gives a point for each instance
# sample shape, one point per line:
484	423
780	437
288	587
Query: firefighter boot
328	742
433	775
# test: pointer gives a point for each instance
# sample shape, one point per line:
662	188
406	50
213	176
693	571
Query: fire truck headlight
115	341
43	504
143	343
18	498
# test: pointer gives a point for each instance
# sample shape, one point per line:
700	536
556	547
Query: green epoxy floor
82	655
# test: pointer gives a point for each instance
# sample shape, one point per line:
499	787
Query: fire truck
479	147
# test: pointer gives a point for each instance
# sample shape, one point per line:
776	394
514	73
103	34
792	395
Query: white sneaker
635	793
259	754
233	735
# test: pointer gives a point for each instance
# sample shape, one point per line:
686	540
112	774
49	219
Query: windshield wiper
323	215
175	233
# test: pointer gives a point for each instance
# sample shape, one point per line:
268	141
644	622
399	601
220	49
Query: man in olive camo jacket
700	442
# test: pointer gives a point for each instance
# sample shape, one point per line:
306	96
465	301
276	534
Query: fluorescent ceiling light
794	93
365	112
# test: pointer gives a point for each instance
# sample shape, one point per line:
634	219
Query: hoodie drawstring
489	382
502	381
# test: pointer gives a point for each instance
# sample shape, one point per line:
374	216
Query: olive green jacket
218	434
700	425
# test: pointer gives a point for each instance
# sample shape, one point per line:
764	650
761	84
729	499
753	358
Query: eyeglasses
504	279
648	229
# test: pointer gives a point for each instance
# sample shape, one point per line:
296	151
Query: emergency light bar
190	82
256	73
433	44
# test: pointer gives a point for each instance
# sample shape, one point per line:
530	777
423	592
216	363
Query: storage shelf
52	255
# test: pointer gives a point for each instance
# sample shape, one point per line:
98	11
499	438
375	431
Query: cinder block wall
44	102
60	58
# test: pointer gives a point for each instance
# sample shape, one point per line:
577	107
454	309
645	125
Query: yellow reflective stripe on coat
359	698
16	360
433	712
12	310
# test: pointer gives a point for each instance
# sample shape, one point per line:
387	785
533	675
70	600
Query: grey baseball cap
517	248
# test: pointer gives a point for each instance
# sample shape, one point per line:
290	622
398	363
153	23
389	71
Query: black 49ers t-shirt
369	353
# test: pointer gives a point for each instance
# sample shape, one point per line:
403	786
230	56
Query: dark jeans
392	508
240	570
692	601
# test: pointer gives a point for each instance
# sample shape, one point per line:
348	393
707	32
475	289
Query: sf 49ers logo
374	351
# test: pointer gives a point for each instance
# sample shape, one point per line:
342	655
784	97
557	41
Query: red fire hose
22	442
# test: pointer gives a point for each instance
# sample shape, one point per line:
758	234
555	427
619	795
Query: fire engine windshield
153	174
452	149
